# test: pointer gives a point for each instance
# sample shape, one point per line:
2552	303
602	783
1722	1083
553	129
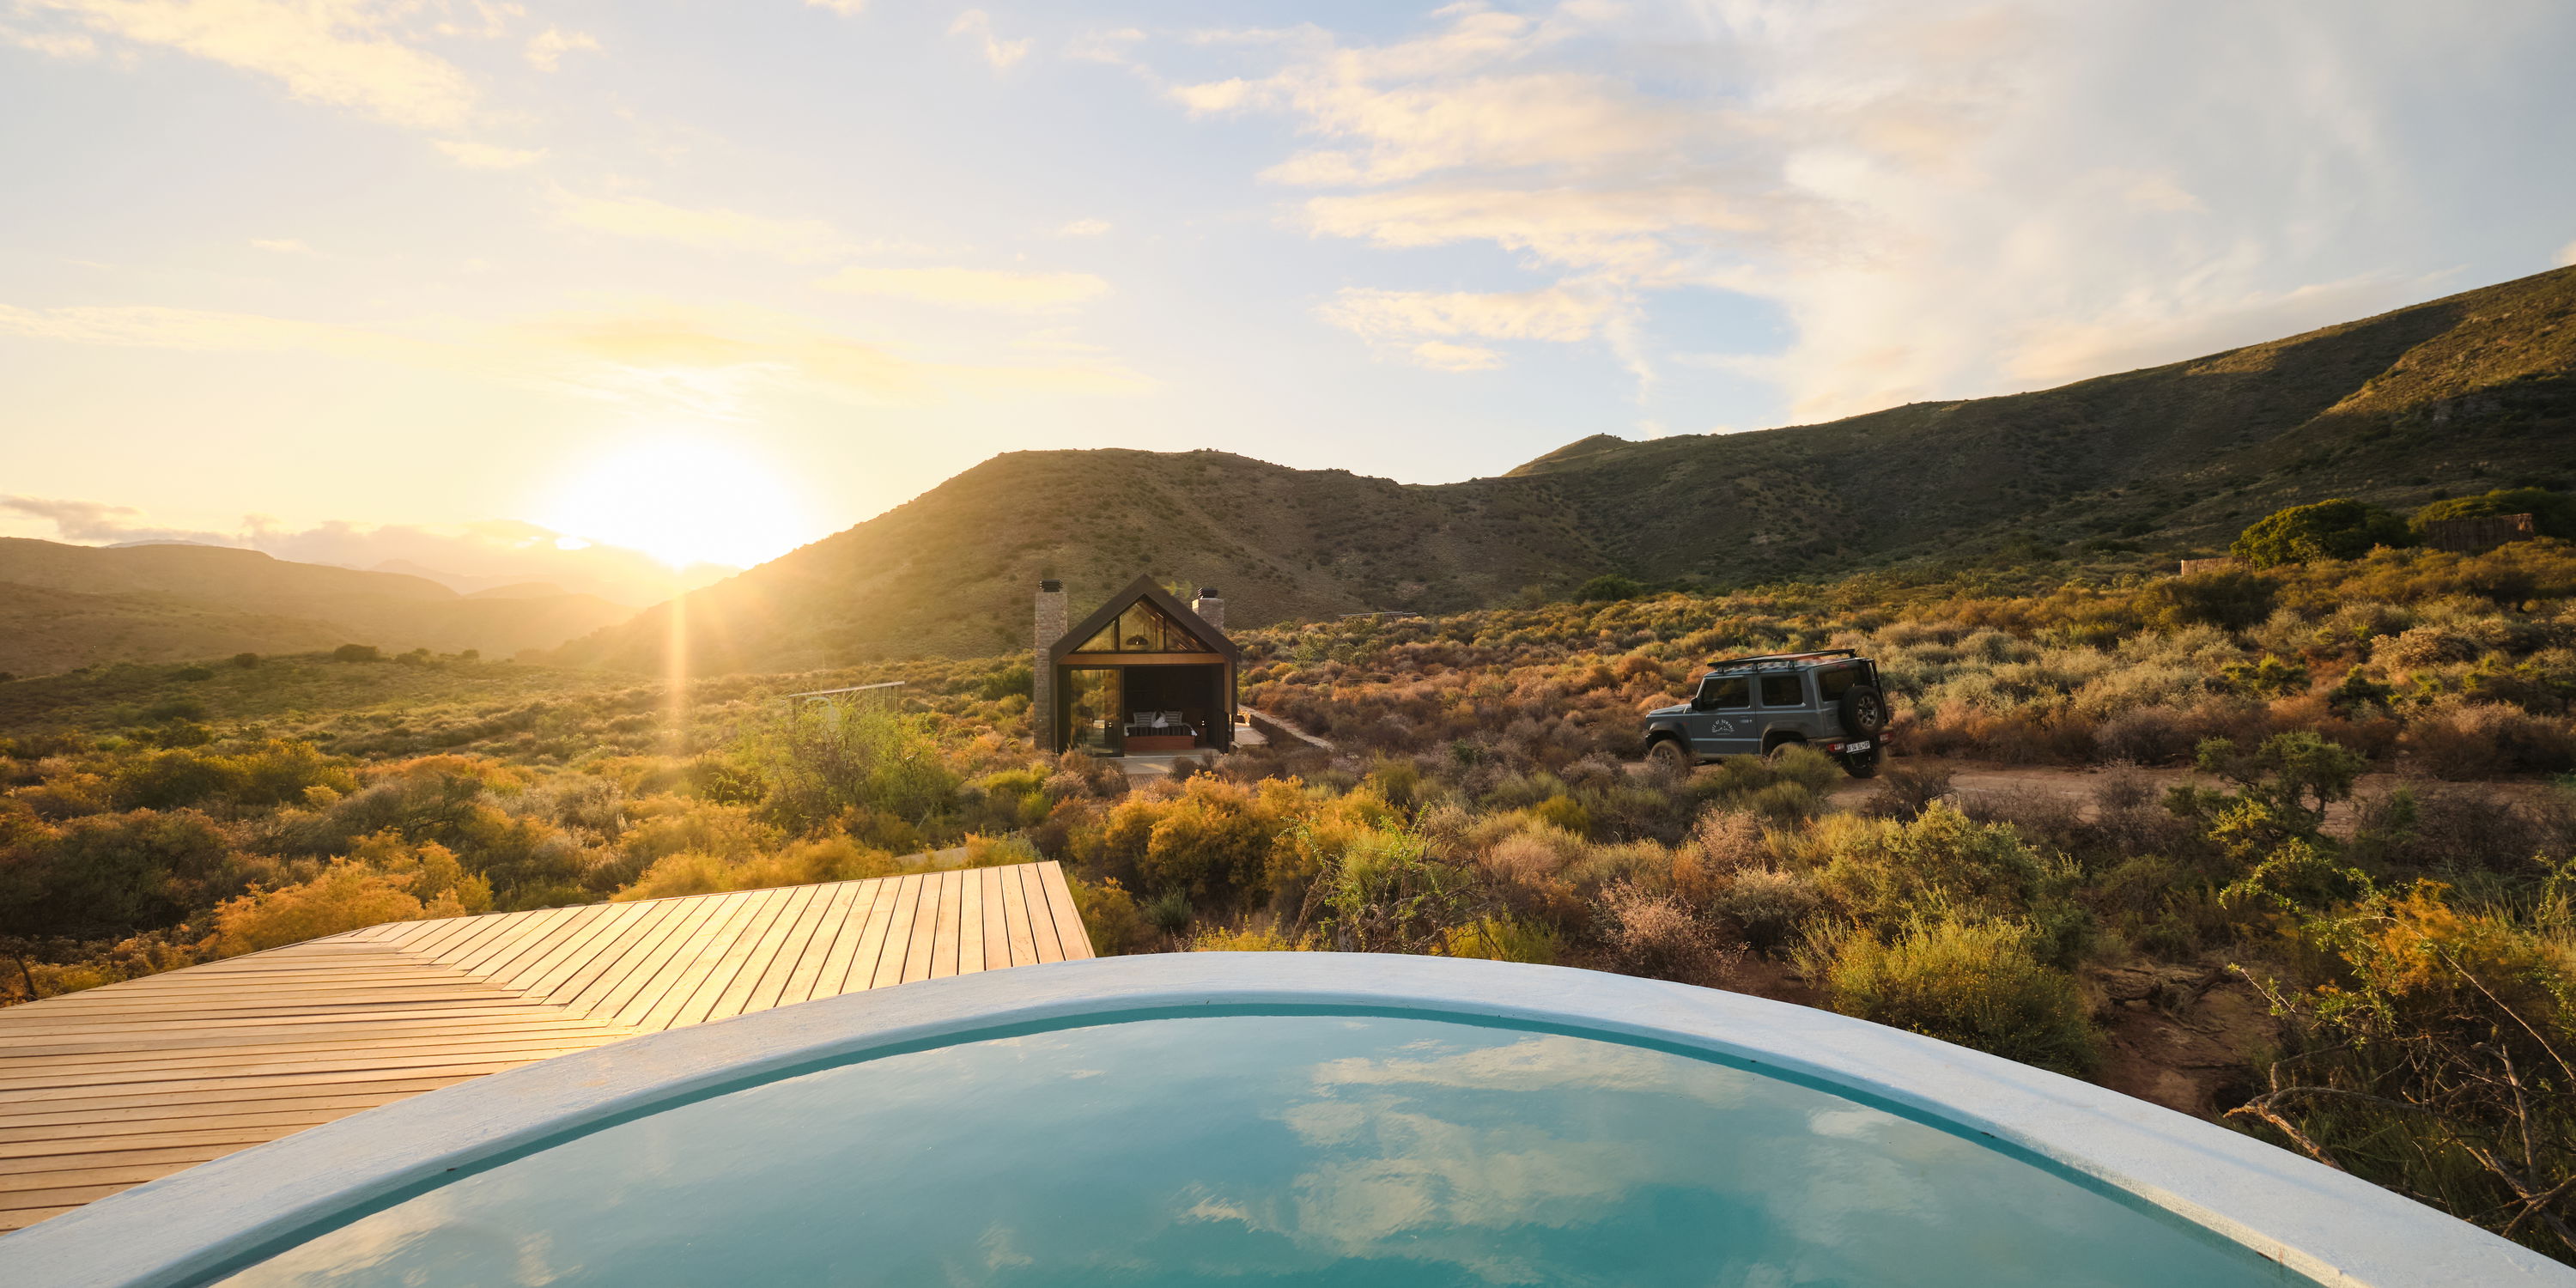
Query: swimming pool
1270	1119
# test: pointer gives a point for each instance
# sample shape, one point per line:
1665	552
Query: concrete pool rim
217	1217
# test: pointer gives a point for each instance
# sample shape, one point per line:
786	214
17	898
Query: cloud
1440	355
52	44
970	287
348	53
487	156
845	8
2567	256
654	356
1555	314
547	48
1116	48
1002	54
794	240
281	245
464	557
1084	228
1942	199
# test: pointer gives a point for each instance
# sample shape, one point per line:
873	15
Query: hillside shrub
1978	984
2336	529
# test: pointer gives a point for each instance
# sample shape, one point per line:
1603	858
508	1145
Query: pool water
1269	1150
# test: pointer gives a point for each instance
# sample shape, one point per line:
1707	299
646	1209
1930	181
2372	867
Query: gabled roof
1144	588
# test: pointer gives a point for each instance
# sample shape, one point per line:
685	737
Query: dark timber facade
1145	673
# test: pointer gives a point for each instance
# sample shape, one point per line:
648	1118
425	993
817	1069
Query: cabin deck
111	1087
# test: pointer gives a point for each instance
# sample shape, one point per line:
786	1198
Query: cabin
1144	673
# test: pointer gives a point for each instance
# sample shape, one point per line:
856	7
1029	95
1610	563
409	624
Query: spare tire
1864	710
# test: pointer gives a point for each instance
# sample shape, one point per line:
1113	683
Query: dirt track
1972	778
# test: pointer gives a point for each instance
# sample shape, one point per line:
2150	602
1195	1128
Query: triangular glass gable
1143	628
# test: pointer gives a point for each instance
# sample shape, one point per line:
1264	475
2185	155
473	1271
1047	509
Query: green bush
1976	984
2553	513
2336	529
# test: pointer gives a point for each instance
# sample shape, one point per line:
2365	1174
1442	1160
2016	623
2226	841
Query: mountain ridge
2470	391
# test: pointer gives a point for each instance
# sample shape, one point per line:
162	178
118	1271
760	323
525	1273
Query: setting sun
683	501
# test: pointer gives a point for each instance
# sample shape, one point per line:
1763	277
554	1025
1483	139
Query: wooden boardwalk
108	1088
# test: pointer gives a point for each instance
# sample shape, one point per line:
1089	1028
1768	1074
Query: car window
1783	691
1725	692
1832	681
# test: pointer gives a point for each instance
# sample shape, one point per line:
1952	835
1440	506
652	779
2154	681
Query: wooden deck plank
842	914
117	1085
1041	916
801	958
841	964
1015	915
898	934
716	967
1068	917
675	960
755	956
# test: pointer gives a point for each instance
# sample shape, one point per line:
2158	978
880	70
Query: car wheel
1864	710
1862	765
1773	753
1669	754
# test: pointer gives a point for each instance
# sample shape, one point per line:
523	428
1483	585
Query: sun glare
682	501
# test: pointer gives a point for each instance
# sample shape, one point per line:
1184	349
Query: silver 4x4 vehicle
1754	706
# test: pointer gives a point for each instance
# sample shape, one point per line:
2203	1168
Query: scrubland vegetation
2354	906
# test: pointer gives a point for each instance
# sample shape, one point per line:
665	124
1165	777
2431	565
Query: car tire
1862	764
1772	754
1864	710
1669	753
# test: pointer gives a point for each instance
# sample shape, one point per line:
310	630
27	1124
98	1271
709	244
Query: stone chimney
1051	626
1210	608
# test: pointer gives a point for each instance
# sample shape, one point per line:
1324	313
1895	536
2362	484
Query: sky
532	287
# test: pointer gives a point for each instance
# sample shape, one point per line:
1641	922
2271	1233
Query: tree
2336	529
2553	513
1609	587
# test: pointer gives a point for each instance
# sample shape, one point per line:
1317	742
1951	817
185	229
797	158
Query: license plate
1858	746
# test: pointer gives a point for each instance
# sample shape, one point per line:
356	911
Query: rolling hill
2465	393
63	606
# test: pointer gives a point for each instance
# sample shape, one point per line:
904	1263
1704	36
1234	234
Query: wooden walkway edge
111	1087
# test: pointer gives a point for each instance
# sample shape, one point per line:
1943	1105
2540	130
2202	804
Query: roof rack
1780	659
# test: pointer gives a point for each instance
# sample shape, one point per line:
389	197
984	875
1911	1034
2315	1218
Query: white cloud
794	240
52	44
1943	199
2567	255
1084	228
1440	355
1116	48
977	25
349	53
547	48
1403	320
487	156
655	356
971	287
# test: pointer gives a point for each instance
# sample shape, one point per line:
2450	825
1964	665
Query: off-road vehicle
1754	706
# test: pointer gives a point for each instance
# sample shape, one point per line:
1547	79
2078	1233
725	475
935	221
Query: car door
1784	701
1720	719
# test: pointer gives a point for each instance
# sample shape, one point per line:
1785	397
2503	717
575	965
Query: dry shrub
2038	814
2464	740
1767	907
1977	984
2463	827
1109	915
1656	935
1907	788
2145	736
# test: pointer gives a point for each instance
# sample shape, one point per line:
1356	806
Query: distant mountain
63	606
2460	394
